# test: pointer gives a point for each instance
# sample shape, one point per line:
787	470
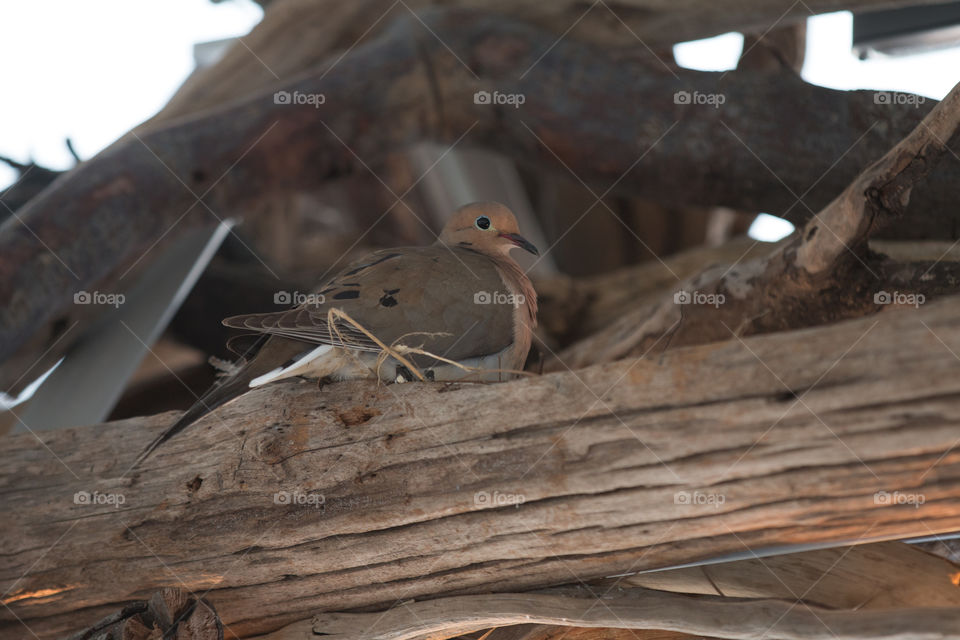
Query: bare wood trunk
711	616
410	490
893	577
296	36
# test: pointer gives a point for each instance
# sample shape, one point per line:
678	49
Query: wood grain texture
296	36
824	271
638	608
403	491
870	577
575	308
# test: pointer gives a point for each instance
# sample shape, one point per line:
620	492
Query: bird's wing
452	302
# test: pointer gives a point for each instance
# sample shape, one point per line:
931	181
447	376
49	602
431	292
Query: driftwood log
897	579
711	616
296	36
291	501
825	272
111	213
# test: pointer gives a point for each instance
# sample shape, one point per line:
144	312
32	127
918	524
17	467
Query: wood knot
356	415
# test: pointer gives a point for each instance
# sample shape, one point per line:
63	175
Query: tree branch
710	616
289	501
825	273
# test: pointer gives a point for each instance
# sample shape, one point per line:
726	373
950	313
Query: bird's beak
521	242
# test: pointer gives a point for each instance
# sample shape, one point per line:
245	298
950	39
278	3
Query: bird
459	309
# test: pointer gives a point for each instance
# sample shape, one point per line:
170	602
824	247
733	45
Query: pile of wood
796	431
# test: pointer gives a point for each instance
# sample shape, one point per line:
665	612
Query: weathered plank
777	440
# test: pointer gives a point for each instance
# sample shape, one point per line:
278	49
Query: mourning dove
460	309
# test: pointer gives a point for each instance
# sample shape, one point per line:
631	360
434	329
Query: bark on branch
290	501
710	616
297	36
826	273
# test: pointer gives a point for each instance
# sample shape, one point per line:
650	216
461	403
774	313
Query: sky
99	68
92	70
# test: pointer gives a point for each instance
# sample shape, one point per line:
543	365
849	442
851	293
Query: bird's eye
483	222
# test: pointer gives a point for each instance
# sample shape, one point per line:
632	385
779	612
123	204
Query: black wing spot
346	295
370	264
388	301
390	292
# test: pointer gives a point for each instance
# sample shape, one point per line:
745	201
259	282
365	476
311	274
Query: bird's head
488	227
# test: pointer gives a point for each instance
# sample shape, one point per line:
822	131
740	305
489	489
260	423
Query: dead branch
637	608
297	36
574	308
289	501
898	577
826	273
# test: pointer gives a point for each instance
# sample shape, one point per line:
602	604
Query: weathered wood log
296	36
824	273
170	613
105	216
551	632
775	50
575	308
638	608
291	501
880	576
31	180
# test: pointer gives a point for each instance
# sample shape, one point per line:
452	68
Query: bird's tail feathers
258	357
